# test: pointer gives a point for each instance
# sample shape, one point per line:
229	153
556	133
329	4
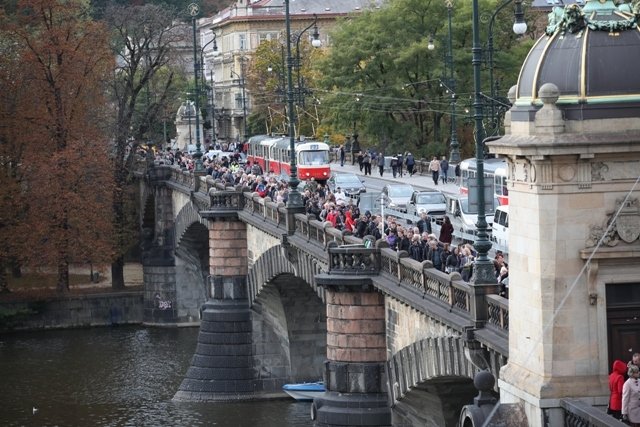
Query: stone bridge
283	298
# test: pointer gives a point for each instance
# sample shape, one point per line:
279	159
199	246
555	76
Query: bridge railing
450	289
580	414
353	259
427	280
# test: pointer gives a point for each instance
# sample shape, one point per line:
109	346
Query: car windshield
430	199
464	205
313	158
400	191
348	181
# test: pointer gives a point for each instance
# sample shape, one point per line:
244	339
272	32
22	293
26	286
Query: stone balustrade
421	277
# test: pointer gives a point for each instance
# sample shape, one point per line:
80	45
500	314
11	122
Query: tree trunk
63	277
117	273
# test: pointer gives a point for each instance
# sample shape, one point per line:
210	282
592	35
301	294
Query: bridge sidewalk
418	181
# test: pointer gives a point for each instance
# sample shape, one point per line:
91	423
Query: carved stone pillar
356	354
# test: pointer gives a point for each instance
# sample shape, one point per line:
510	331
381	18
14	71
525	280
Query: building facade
238	31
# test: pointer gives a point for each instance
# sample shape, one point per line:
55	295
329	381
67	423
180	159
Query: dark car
350	183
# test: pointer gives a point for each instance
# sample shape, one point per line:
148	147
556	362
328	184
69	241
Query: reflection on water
124	376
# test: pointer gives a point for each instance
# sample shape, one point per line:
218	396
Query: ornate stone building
239	29
573	150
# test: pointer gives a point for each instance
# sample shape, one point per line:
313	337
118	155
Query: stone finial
549	93
549	120
512	95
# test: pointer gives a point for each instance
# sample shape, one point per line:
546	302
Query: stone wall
76	311
406	326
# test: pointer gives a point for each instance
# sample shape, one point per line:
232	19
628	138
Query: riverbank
90	302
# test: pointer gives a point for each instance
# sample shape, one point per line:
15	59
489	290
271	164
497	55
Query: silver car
433	203
397	196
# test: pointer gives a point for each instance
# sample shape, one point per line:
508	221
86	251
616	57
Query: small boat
304	391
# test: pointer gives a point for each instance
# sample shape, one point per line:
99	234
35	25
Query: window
313	157
242	41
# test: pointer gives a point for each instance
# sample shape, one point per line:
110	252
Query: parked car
350	183
397	196
431	202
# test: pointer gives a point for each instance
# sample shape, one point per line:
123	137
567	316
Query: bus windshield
313	158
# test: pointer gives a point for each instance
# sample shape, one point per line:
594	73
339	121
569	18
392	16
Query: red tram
274	154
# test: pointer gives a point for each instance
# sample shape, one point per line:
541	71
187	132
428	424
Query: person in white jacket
631	397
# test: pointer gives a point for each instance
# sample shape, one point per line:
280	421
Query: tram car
273	154
495	171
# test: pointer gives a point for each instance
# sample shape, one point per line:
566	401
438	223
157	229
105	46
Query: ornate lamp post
244	98
194	10
519	27
294	200
301	91
454	153
483	272
210	99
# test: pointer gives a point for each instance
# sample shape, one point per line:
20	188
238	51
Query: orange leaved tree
60	61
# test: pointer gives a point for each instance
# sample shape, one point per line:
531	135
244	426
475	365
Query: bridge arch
430	381
284	259
187	216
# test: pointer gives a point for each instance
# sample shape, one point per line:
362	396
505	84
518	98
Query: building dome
592	55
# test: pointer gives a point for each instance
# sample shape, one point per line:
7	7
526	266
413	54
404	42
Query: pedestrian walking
400	163
366	162
360	160
631	397
410	162
381	163
394	166
342	154
457	172
434	167
444	169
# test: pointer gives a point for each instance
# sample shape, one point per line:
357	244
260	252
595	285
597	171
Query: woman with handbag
631	397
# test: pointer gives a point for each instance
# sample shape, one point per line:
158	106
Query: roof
592	55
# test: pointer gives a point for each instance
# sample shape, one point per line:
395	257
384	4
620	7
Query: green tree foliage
267	82
381	80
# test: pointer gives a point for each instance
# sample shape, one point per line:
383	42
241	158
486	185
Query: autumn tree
267	81
146	41
56	164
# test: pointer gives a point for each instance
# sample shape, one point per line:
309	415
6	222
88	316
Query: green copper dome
592	54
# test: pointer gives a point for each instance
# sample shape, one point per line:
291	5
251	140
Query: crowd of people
343	213
397	163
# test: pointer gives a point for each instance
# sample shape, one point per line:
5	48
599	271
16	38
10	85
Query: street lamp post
483	272
315	43
244	98
210	100
483	268
194	10
454	153
519	27
294	199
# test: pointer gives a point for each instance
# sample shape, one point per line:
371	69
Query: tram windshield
313	158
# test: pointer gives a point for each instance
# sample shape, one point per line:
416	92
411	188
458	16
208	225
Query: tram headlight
308	174
324	173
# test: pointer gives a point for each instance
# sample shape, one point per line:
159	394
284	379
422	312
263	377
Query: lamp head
431	45
216	52
315	42
519	26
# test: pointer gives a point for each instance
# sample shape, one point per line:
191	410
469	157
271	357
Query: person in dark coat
446	231
410	162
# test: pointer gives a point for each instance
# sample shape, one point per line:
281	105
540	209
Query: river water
122	376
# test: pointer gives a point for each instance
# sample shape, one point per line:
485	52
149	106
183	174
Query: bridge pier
222	366
356	351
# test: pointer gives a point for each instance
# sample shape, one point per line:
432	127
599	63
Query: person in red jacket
616	381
